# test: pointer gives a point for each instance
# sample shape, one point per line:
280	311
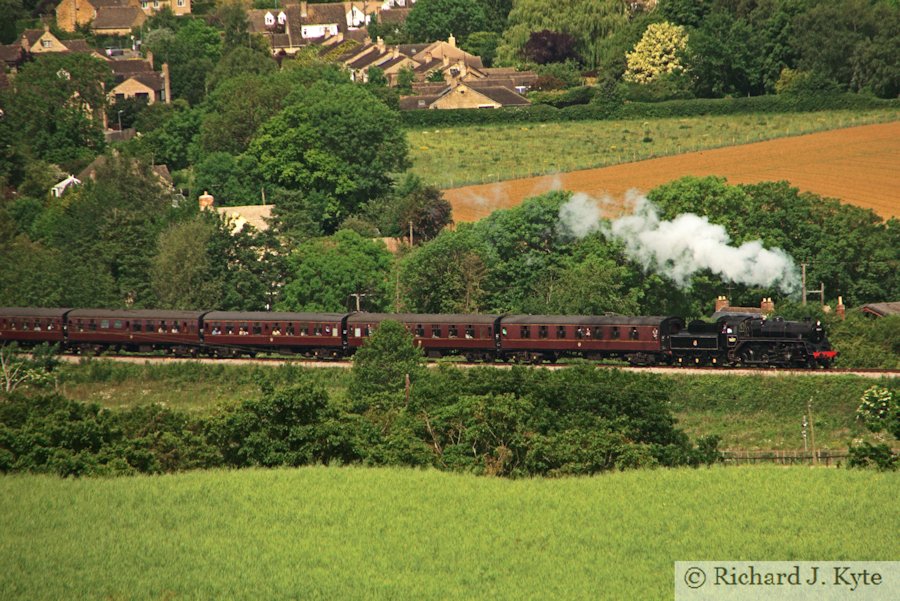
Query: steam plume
683	246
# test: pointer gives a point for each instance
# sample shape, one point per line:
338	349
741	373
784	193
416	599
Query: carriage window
542	331
136	326
104	324
368	329
290	329
470	332
452	332
634	334
435	331
615	332
560	331
229	329
329	331
579	333
420	331
525	332
117	324
257	329
317	330
304	330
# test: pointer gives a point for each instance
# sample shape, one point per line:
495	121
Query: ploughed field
366	533
856	164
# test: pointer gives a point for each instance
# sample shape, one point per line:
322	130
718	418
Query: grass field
748	412
353	533
453	157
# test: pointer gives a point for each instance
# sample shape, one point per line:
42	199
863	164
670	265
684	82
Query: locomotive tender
735	340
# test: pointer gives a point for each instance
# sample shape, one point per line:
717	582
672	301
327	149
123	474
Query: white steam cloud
683	246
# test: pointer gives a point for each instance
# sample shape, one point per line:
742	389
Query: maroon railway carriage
229	333
640	340
96	330
472	336
30	326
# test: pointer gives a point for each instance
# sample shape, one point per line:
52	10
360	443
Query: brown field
858	165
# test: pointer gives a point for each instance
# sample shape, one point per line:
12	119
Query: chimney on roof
150	58
721	303
167	83
206	201
446	60
451	40
428	57
767	306
841	309
303	9
379	43
396	52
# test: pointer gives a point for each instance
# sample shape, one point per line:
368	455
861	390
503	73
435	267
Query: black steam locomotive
735	340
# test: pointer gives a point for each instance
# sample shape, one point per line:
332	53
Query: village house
295	26
136	78
113	17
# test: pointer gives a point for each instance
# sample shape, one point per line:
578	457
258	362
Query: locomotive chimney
721	303
841	310
206	201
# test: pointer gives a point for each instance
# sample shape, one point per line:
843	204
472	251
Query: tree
338	141
383	364
425	209
241	61
589	22
56	106
237	108
191	52
16	369
230	179
483	44
434	20
181	273
658	53
447	275
547	46
323	273
172	139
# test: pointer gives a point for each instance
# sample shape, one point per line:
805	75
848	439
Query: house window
155	3
142	96
180	2
145	4
47	43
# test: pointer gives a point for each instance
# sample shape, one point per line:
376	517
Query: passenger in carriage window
216	331
162	328
290	329
276	331
229	330
175	327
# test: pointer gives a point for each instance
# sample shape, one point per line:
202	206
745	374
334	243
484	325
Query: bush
879	457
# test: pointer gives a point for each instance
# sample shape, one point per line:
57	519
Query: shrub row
508	423
602	108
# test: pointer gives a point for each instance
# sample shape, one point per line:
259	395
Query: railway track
700	371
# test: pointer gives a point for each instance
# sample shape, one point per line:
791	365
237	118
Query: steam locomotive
733	340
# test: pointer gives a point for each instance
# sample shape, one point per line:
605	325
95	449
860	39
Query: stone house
71	14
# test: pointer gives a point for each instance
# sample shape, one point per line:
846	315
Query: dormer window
47	43
282	18
270	19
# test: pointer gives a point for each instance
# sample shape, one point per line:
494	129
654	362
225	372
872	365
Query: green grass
757	412
354	533
193	387
452	157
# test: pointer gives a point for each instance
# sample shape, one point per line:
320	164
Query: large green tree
433	20
56	106
338	141
324	272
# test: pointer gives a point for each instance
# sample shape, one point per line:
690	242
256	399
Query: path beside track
275	362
